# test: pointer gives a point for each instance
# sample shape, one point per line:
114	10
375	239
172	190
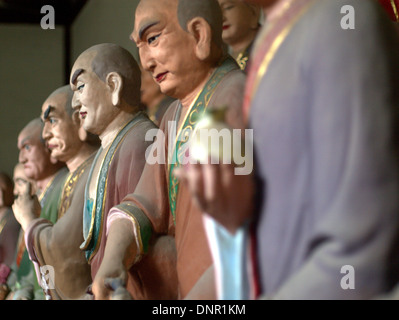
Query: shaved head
33	153
186	10
62	98
67	93
33	128
208	9
106	58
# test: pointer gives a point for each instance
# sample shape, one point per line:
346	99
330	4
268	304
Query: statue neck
81	156
42	184
114	127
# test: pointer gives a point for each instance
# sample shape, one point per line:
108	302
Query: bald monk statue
49	175
240	27
180	44
58	244
106	83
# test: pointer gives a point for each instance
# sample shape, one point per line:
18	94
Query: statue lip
160	77
83	114
51	146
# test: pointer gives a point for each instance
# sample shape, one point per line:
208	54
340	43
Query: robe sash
267	45
192	118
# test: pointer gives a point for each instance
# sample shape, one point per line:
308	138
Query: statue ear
257	15
115	84
200	29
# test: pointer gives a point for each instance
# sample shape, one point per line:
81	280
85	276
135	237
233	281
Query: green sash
93	213
193	116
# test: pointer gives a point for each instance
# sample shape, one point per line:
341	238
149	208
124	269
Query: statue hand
109	278
26	207
118	287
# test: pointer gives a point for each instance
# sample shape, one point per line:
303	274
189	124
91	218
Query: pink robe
154	276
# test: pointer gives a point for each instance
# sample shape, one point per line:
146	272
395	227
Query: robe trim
91	242
267	46
395	10
142	225
70	184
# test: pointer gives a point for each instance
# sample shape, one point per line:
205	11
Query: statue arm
121	247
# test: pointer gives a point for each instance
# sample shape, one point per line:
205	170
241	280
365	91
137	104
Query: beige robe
57	245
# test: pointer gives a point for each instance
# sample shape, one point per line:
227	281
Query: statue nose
75	101
45	132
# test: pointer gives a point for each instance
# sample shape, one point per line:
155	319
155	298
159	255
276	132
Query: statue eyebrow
21	179
47	112
145	27
76	75
25	141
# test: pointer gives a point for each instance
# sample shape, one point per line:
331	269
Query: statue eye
81	87
152	39
228	7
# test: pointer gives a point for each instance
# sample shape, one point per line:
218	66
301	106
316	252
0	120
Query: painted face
33	154
238	21
166	50
60	132
20	179
92	97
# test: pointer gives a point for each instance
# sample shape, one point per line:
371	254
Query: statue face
238	20
60	132
92	97
166	50
20	179
33	154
